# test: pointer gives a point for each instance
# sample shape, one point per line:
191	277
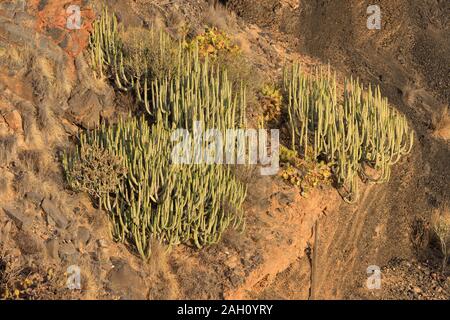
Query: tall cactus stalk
129	64
105	45
356	131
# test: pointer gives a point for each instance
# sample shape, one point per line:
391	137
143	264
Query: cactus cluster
106	47
353	132
158	198
166	75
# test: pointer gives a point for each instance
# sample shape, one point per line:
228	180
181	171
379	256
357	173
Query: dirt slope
409	59
293	247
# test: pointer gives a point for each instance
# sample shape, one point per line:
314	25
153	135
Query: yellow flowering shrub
213	43
302	173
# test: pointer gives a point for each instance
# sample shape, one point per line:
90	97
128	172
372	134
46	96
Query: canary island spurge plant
352	132
158	198
173	203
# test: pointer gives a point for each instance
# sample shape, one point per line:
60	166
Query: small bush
94	170
214	43
270	99
304	174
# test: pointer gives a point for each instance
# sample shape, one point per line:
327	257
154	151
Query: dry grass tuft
42	75
161	276
6	178
442	129
217	15
4	185
420	235
14	57
31	132
35	160
441	228
7	149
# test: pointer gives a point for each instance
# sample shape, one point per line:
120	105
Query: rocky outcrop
54	214
20	219
85	108
14	120
126	282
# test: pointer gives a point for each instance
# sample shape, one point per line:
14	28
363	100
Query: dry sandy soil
293	247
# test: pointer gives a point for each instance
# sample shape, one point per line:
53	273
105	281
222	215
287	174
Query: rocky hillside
295	245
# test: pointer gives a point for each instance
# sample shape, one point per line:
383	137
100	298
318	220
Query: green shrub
214	43
303	173
270	99
352	132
